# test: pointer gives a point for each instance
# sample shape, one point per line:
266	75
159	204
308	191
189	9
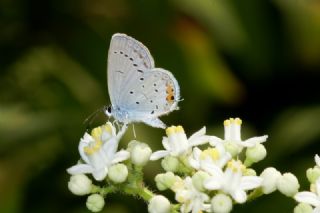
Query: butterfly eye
107	111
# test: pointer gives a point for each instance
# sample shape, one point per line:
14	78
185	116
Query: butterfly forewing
126	57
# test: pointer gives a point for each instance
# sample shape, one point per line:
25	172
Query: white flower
211	156
232	134
80	184
288	184
159	204
312	198
118	173
177	143
303	208
99	151
270	177
231	180
314	173
139	153
165	180
192	200
95	203
221	203
317	160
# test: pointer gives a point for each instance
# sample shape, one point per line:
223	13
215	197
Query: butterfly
138	91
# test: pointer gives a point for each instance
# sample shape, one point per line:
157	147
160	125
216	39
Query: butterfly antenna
88	121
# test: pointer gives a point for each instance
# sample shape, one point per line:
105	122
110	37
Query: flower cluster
310	200
216	170
206	173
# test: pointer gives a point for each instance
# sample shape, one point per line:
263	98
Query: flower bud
170	164
313	174
303	208
118	173
165	180
198	178
139	153
269	176
159	204
232	148
288	184
80	184
249	172
255	154
95	202
221	203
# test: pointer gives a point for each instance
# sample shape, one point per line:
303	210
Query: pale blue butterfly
138	91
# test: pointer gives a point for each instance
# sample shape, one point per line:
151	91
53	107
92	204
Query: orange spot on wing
170	92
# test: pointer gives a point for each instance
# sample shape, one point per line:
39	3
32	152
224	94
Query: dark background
257	60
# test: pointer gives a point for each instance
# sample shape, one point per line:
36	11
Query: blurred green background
257	60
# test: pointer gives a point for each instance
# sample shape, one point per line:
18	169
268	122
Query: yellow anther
170	130
96	133
226	122
179	129
91	149
107	128
230	164
238	121
243	168
211	152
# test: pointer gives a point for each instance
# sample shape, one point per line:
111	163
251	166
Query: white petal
197	134
100	174
214	141
212	169
199	140
83	143
318	187
120	156
165	143
307	197
239	195
194	163
110	147
250	182
159	154
317	160
212	183
80	169
255	140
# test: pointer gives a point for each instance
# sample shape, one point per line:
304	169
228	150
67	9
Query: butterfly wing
135	86
125	57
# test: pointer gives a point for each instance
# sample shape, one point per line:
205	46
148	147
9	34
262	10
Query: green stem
255	194
145	194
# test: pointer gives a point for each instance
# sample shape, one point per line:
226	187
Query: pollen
108	128
96	133
170	130
236	121
226	122
93	148
210	153
179	129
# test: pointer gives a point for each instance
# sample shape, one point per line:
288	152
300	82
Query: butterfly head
108	110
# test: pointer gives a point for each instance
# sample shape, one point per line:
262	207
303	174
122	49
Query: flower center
93	147
212	153
236	166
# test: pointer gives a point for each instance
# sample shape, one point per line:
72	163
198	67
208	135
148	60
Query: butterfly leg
154	122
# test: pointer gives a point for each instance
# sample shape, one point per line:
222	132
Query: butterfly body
138	91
